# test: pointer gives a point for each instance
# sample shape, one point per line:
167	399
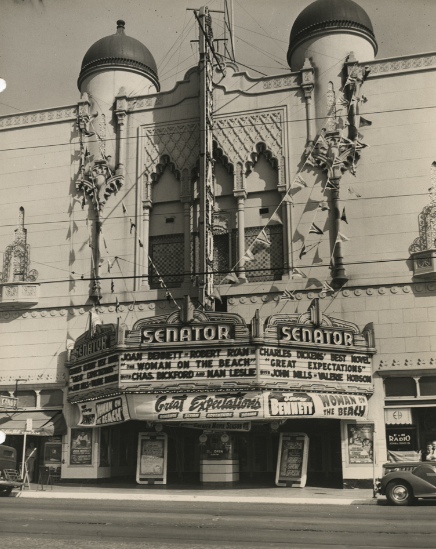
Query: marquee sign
184	407
288	404
104	412
191	350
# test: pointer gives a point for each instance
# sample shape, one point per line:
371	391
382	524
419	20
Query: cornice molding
36	118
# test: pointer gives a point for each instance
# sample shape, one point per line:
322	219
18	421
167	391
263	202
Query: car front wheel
399	492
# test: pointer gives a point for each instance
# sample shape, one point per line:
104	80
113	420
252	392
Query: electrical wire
424	107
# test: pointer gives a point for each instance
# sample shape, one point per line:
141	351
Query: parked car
9	476
404	482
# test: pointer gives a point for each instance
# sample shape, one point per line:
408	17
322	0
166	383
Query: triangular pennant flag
353	192
326	287
314	229
322	142
310	160
331	185
248	256
359	145
112	287
275	217
132	225
352	168
104	242
342	238
216	294
232	277
298	272
364	99
323	206
299	182
364	122
343	216
287	295
117	304
168	296
101	261
141	245
83	202
263	240
161	282
342	102
302	251
124	208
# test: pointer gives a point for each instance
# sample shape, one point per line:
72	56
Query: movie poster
81	447
360	443
152	457
291	461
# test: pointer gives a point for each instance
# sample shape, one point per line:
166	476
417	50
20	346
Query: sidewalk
190	493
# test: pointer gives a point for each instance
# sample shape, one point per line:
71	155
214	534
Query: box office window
400	386
427	386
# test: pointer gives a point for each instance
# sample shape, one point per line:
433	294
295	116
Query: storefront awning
43	424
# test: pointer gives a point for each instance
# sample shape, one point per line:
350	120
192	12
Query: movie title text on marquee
104	412
185	364
282	404
195	407
301	364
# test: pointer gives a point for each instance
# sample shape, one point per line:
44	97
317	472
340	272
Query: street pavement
108	524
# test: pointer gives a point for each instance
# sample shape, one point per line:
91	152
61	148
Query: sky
42	42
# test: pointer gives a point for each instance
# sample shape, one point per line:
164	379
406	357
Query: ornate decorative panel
181	142
238	136
16	260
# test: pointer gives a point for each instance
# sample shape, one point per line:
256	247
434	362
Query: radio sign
320	336
186	333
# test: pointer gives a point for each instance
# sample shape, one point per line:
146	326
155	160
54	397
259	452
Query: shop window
427	386
26	399
51	397
400	386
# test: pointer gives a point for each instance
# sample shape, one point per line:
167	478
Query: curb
192	498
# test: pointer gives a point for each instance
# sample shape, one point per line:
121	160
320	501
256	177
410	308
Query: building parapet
36	118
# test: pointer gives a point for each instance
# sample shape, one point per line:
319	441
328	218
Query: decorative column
286	215
335	174
121	112
308	83
96	179
147	205
241	197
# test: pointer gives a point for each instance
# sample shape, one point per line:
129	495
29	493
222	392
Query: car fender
420	487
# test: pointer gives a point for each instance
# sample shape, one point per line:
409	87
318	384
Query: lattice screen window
167	251
221	256
268	261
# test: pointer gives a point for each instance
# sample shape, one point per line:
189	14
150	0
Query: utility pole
206	183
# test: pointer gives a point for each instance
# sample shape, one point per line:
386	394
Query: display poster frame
83	450
301	455
152	454
359	453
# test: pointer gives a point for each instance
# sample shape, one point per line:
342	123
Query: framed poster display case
292	460
151	467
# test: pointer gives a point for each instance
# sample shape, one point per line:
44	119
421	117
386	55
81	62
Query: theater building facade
232	280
